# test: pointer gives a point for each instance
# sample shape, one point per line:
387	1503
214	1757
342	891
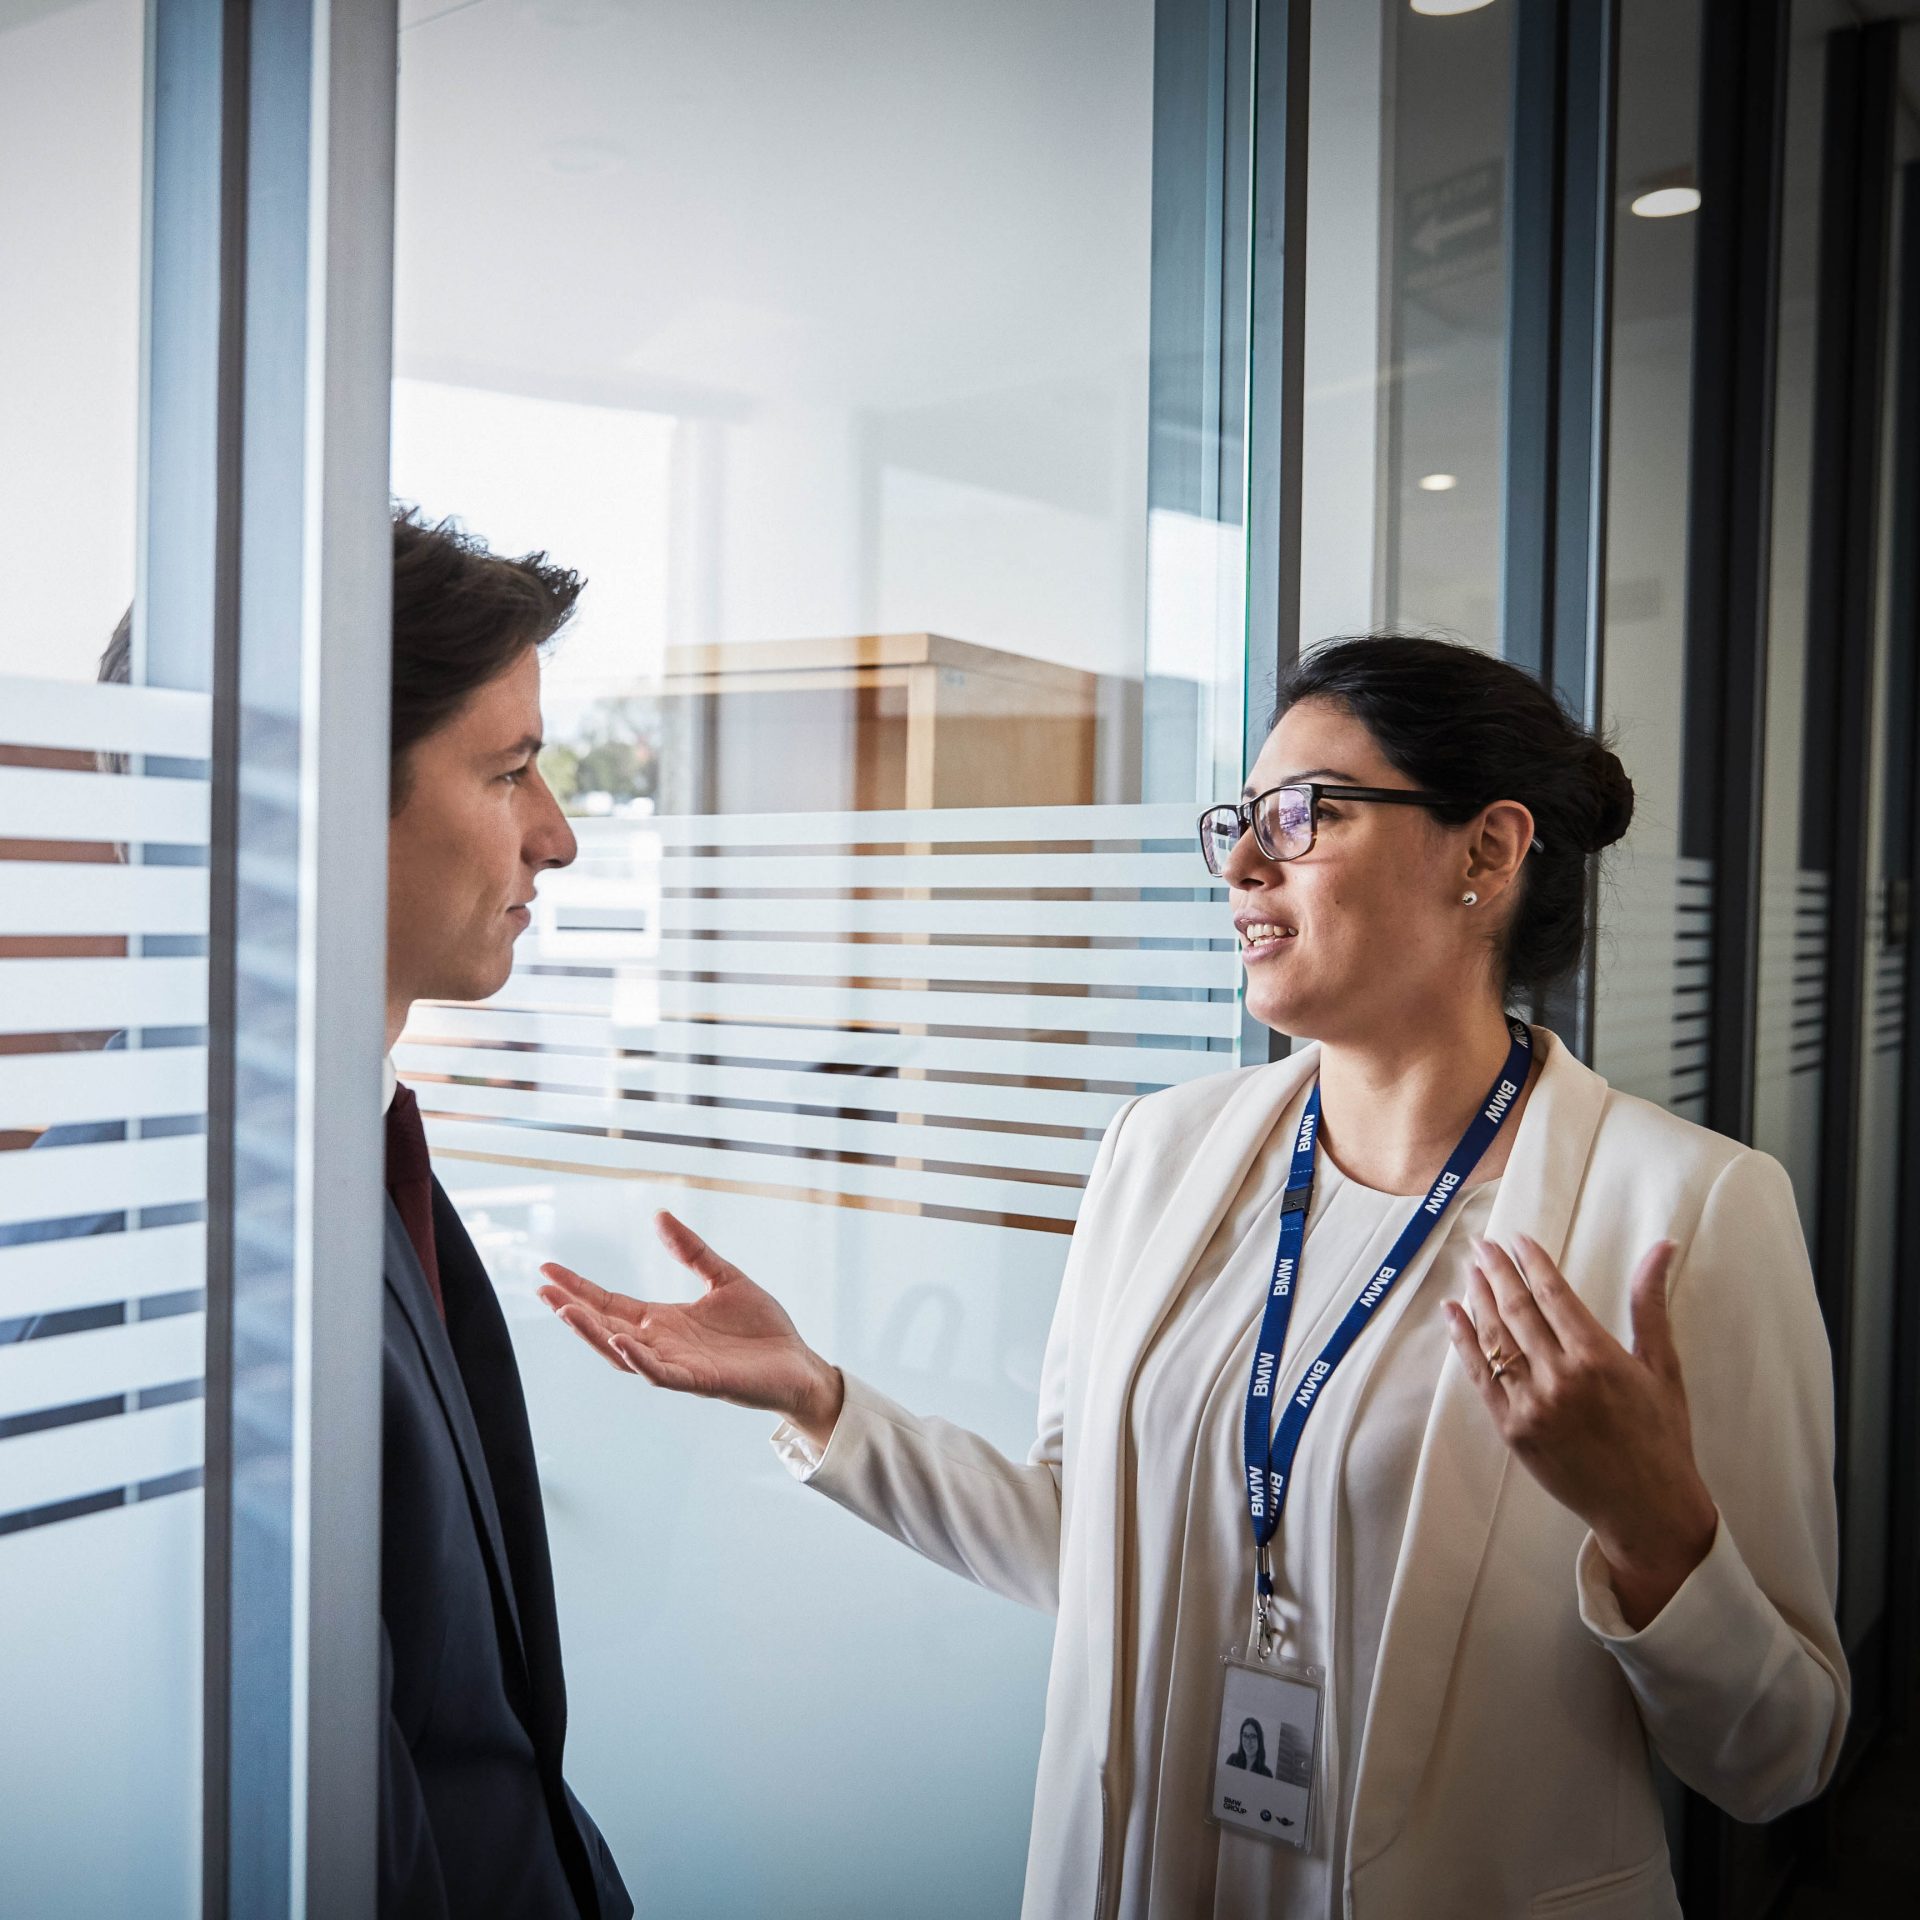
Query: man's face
476	828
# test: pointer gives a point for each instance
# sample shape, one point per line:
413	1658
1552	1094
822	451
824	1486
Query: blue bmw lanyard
1270	1450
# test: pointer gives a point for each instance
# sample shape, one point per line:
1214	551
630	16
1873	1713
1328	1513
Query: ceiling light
1664	203
1449	6
1438	482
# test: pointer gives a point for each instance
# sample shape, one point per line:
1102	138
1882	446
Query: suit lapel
483	1350
1214	1171
1463	1465
408	1285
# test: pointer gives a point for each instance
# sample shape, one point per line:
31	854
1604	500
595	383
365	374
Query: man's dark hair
461	616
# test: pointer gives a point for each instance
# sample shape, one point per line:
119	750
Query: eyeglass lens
1283	828
1284	822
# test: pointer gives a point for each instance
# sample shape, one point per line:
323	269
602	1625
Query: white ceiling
699	205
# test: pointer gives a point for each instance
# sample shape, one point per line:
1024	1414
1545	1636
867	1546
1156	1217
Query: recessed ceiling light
1664	203
1449	6
1438	482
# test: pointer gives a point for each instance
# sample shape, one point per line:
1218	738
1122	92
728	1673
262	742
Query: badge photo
1263	1769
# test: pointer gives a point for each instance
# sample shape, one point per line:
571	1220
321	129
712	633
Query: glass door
103	1008
853	359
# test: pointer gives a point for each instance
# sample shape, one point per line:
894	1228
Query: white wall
70	213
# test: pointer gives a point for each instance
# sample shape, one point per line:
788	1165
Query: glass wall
1650	1002
1403	416
823	342
1813	921
103	831
1876	1199
1449	120
1790	1064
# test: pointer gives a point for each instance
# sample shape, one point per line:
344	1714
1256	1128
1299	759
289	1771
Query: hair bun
1611	794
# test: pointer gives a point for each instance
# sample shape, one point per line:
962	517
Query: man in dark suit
476	1819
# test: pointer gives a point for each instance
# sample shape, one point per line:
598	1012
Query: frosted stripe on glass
663	1160
749	1127
140	1083
1145	1066
1089	919
1057	1013
987	872
51	896
42	804
72	1367
101	996
103	718
52	1276
59	1183
884	828
1040	1106
92	1456
899	960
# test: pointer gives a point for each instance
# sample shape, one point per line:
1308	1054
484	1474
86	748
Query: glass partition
900	675
103	995
1650	1004
1790	1044
1403	414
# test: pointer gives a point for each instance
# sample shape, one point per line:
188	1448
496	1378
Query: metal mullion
185	636
1729	547
296	595
1855	190
1275	374
1560	252
1726	1869
1903	753
1533	321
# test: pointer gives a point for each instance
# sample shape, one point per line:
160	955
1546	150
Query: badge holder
1267	1750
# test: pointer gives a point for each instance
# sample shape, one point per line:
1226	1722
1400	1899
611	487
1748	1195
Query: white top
1340	1537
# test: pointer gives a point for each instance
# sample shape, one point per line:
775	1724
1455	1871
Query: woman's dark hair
1458	722
1259	1741
461	617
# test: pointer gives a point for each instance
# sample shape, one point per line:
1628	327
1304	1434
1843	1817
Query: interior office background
959	414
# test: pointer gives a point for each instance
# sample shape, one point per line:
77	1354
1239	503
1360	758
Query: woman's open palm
735	1342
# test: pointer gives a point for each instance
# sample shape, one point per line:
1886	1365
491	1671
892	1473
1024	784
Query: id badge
1266	1756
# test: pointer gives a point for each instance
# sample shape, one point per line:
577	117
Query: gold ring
1499	1360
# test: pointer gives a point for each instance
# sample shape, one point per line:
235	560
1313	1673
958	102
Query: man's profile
475	1816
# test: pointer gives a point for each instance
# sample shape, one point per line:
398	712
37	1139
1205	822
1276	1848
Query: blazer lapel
1213	1173
408	1285
1463	1464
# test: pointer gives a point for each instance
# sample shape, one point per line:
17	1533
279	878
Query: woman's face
1249	1740
1358	935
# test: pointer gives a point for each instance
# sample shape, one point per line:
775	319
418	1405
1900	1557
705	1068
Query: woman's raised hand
735	1342
1602	1427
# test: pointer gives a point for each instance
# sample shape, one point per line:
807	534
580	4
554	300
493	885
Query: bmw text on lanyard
1270	1449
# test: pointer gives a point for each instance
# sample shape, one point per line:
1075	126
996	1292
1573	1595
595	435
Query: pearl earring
1469	899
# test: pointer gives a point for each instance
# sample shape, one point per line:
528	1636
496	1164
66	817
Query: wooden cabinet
879	721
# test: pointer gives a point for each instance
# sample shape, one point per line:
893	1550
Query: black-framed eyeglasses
1286	820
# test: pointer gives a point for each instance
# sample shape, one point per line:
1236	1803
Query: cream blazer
1504	1762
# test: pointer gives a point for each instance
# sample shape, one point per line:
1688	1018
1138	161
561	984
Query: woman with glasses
1416	1394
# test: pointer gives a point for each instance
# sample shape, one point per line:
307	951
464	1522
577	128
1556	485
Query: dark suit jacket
475	1819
